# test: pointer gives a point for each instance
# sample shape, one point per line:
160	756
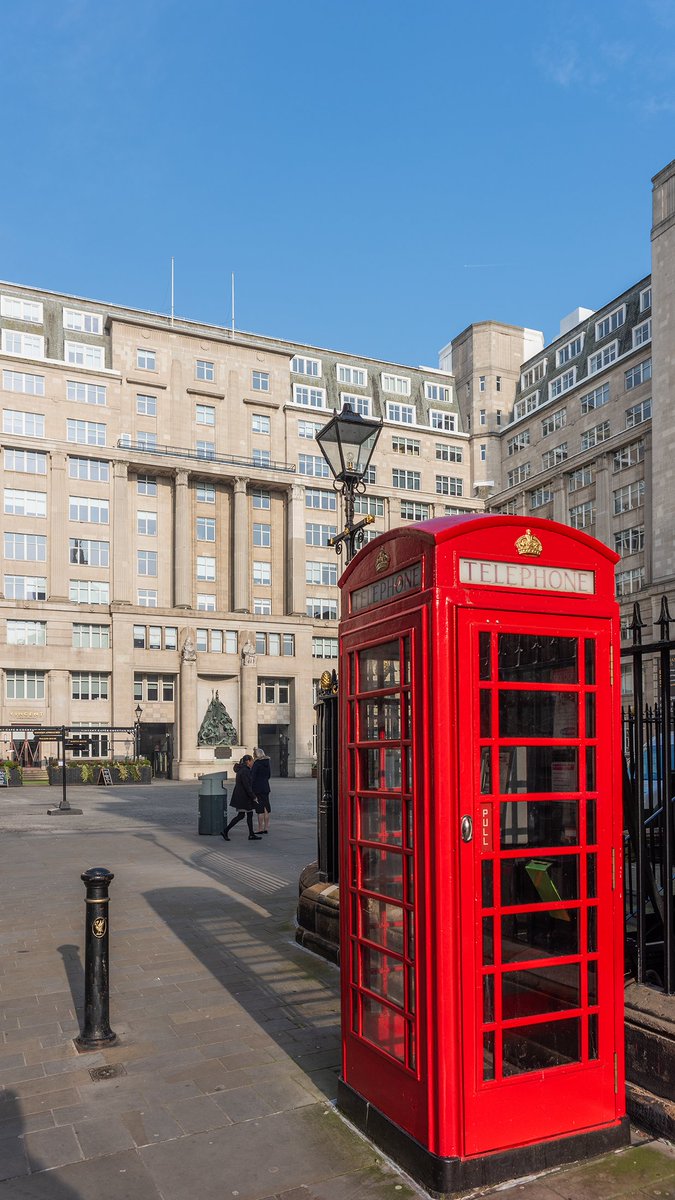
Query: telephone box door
536	877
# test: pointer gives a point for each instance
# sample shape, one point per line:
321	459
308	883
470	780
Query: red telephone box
480	824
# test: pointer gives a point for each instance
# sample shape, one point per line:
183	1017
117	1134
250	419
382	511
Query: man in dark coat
243	799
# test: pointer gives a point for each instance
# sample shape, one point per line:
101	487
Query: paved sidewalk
229	1032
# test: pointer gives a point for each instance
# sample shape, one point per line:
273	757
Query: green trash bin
213	803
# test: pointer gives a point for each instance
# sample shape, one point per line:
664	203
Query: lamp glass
347	443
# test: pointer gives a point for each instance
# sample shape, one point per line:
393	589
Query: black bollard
96	1031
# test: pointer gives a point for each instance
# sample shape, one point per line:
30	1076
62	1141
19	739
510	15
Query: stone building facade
166	512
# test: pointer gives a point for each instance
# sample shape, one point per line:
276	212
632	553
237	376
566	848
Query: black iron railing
649	806
202	456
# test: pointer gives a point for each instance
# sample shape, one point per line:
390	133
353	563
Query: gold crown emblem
382	561
528	544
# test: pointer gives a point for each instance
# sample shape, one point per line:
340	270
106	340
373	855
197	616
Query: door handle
467	829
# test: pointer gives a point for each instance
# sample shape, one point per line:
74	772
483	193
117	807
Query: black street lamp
137	730
347	443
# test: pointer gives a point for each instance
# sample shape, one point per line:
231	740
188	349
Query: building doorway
273	739
26	746
156	744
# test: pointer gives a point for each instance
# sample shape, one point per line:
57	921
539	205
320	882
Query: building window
593	437
262	574
82	322
146	523
630	496
19	309
447	453
25	424
83	552
88	591
206	493
85	433
498	384
562	383
205	370
262	534
638	374
216	641
555	455
231	641
206	529
483	451
92	637
302	365
403	414
449	485
26	547
170	637
522	407
324	647
645	299
630	541
89	685
638	413
25	504
27	462
146	562
353	376
642	334
603	358
533	375
26	633
628	582
25	685
569	351
146	406
28	345
321	608
518	475
146	485
151	687
628	456
310	397
438	393
322	573
557	420
313	464
139	637
582	515
206	568
482	417
320	498
262	607
206	602
86	393
518	442
146	360
358	404
260	423
443	420
25	587
260	381
318	535
274	691
154	637
147	598
403	445
369	504
541	495
205	414
409	480
90	509
580	478
205	449
260	498
81	354
595	399
412	510
610	323
21	381
481	383
398	384
261	458
309	429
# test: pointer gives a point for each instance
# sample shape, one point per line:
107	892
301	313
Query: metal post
64	805
96	1031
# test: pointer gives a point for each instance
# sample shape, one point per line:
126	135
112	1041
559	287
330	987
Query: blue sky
377	174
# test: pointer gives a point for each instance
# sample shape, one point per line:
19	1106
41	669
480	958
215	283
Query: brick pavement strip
229	1033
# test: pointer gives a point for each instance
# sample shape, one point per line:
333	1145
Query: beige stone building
166	513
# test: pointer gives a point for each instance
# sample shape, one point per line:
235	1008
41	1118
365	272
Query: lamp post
137	731
347	443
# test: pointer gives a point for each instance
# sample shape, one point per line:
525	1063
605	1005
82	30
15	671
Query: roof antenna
233	303
172	289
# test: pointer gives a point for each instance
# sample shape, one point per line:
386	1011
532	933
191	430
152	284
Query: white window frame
205	414
646	298
612	320
396	385
562	383
308	396
439	393
358	404
146	360
642	334
401	414
85	355
23	345
351	375
533	374
79	321
301	364
23	382
570	350
602	358
205	370
94	432
260	380
18	308
444	422
146	404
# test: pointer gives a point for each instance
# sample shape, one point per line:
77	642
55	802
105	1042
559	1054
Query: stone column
182	543
123	539
187	682
59	554
295	532
603	499
248	696
559	500
59	697
240	533
305	717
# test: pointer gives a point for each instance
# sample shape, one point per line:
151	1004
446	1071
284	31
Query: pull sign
485	818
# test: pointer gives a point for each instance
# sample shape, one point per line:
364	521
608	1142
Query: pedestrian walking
260	778
243	798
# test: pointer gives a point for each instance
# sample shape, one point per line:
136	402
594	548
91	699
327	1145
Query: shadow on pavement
23	1173
74	970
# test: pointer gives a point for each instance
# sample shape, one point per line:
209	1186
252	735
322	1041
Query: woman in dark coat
260	778
243	798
